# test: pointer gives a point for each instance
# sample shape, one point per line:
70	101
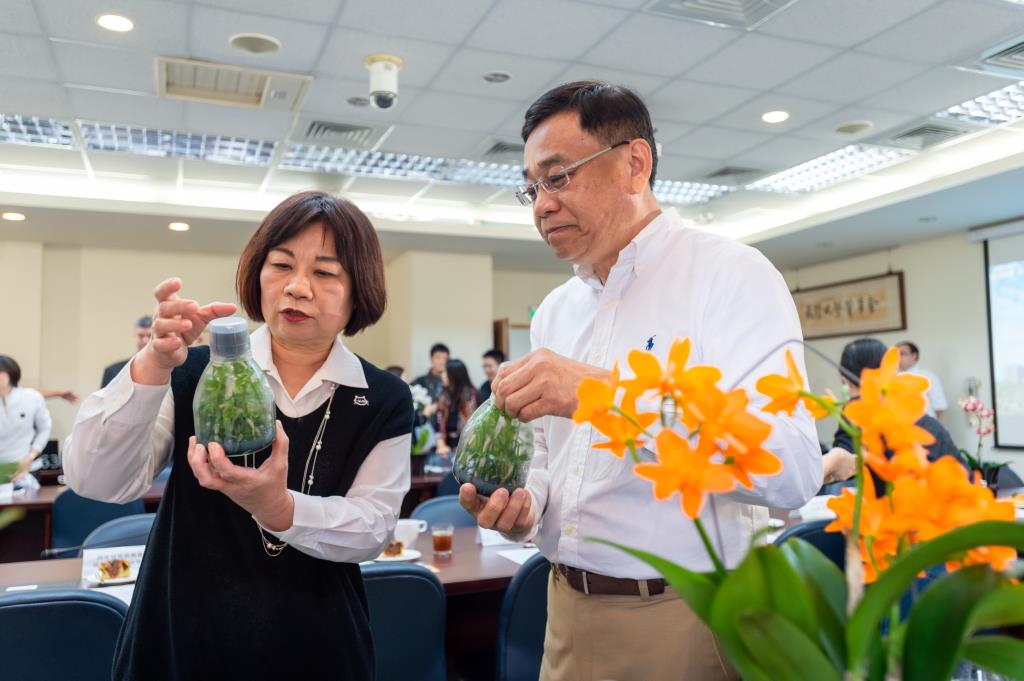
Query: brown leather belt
593	583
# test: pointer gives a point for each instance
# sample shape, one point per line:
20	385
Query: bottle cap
229	336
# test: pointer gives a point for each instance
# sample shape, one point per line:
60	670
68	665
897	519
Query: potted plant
982	420
494	450
422	434
787	612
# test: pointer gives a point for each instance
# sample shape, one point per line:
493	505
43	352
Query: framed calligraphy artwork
851	308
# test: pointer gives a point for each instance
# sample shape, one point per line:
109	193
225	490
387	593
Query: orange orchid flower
596	397
621	432
682	469
876	527
784	391
675	381
737	434
910	460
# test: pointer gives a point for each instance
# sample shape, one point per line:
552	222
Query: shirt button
598	357
568	530
577	471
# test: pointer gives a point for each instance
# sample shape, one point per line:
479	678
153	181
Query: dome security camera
383	70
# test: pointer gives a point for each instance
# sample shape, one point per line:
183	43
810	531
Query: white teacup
407	530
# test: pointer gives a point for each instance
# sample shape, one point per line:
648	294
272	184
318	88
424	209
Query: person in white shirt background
642	278
24	423
909	354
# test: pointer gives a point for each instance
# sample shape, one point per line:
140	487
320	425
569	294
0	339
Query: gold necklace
273	549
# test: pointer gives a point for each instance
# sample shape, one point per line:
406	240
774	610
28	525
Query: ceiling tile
688	168
385	187
26	57
759	61
850	77
297	180
841	23
329	96
19	17
784	151
116	163
213	119
950	31
541	28
423	141
624	4
469	193
102	66
459	112
716	143
34	98
936	90
211	29
41	157
665	132
159	26
317	11
464	74
693	102
801	112
346	49
823	129
443	21
109	107
641	83
657	45
224	172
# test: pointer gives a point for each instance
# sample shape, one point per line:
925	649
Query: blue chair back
448	485
130	530
443	510
65	634
521	624
74	517
407	617
832	544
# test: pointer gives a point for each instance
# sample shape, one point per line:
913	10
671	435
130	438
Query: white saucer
95	580
405	555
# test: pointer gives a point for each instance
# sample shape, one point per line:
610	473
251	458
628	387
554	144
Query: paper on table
518	556
122	591
492	538
815	509
91	559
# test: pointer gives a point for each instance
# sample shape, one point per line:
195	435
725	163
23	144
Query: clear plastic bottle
494	450
234	405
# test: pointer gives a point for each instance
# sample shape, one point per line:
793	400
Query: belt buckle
586	586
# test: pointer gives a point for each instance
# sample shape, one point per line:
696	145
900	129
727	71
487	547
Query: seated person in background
24	423
143	332
398	371
457	402
840	464
492	361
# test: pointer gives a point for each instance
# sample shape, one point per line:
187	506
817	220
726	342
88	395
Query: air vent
337	134
202	81
1007	59
499	150
746	14
925	135
733	174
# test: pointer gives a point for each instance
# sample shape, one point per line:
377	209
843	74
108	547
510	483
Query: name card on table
492	538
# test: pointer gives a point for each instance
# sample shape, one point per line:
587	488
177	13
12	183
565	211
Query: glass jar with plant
494	451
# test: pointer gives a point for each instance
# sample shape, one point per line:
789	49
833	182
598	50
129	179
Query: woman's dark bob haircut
355	240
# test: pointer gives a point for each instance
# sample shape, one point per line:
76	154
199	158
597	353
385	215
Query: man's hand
511	514
542	383
838	465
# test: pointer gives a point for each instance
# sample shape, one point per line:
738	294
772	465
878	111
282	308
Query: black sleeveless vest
211	604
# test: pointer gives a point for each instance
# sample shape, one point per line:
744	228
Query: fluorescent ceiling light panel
176	144
844	164
362	162
18	129
671	191
995	108
490	174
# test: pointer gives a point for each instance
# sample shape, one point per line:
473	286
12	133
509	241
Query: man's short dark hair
861	354
439	347
396	370
611	113
495	354
11	368
145	321
913	348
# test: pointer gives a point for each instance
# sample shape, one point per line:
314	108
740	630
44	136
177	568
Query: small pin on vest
360	401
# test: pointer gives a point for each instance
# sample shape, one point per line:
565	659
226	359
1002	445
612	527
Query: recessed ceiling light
775	116
358	101
497	76
255	43
853	127
115	22
13	217
179	226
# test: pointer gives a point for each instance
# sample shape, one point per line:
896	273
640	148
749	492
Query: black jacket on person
111	372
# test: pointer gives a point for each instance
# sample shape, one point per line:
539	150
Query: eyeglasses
558	181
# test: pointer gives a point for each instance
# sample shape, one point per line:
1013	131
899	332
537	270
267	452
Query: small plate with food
113	571
395	552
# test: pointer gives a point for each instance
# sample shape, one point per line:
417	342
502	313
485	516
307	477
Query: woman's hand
263	491
177	323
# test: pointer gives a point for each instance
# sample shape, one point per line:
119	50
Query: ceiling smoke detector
497	76
853	127
358	101
255	43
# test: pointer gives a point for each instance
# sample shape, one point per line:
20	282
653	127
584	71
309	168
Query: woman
24	423
455	405
252	573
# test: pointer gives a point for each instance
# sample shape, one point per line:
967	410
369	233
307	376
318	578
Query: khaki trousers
627	638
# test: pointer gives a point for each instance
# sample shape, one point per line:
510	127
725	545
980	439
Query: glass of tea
442	535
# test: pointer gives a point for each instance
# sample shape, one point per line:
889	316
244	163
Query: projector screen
1005	263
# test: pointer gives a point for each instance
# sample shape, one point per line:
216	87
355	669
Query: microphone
63	551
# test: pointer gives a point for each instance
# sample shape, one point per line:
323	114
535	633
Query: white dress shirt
936	396
24	424
124	435
670	281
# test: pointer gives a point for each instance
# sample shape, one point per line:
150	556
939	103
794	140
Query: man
492	360
937	404
434	379
143	332
641	279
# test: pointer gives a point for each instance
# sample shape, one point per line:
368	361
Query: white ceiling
825	61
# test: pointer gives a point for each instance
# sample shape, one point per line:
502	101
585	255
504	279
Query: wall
21	275
516	291
944	281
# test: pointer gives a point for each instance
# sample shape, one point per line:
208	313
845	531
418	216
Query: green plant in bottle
494	451
233	405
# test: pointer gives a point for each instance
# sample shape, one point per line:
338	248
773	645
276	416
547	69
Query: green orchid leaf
1000	608
827	588
1000	654
782	650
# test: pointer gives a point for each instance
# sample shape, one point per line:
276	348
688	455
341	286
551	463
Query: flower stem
632	451
719	568
632	421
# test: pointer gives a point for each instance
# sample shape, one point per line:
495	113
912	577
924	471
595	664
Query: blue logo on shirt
650	343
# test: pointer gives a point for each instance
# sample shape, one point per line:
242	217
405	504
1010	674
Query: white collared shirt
24	424
936	396
670	281
124	435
